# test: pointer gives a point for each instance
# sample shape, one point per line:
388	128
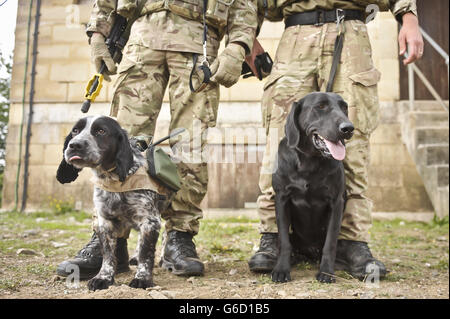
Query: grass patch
441	265
227	238
305	266
237	219
394	277
39	269
9	284
265	279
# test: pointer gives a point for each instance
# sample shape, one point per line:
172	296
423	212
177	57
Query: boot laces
268	242
86	251
358	251
184	244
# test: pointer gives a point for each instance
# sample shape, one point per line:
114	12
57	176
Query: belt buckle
320	18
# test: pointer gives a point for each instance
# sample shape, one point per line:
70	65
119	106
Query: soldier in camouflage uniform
302	65
160	54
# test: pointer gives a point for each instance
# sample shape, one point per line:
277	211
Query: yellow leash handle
93	87
92	91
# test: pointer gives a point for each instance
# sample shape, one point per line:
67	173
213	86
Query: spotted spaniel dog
100	143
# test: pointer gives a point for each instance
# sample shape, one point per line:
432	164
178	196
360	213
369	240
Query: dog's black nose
76	145
346	129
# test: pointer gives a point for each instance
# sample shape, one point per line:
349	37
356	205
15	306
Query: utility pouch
160	165
216	10
162	168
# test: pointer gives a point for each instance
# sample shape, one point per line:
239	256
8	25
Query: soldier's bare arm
410	38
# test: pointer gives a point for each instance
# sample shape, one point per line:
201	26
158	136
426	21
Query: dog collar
140	180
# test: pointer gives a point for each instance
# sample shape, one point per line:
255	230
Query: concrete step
442	175
432	154
421	105
425	132
424	128
436	175
435	178
426	118
443	207
430	135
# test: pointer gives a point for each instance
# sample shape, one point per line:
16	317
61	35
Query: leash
142	144
338	45
173	134
204	63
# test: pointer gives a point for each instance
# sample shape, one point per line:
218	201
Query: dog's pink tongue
337	150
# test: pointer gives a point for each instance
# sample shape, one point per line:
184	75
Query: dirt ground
31	246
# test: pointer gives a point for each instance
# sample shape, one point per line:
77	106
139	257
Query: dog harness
140	180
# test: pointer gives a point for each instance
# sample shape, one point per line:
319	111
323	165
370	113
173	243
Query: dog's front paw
281	273
325	278
141	283
99	283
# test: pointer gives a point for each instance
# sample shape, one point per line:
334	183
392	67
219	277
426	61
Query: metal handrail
412	68
436	46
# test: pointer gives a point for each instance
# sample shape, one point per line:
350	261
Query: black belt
320	17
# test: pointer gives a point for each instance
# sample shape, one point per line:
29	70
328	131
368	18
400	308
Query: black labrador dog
309	183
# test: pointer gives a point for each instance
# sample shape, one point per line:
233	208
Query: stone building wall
63	68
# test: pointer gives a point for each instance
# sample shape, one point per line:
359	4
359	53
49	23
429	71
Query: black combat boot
89	259
355	258
180	256
266	257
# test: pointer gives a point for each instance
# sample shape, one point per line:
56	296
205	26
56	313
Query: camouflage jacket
163	29
278	9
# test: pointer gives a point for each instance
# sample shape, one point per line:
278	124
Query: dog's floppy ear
124	157
66	172
292	128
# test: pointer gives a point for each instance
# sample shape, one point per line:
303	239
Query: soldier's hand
226	69
99	53
410	38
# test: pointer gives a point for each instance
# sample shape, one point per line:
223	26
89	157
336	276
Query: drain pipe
30	109
24	89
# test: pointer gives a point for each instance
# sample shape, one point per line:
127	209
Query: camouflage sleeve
400	7
101	17
262	8
267	10
242	23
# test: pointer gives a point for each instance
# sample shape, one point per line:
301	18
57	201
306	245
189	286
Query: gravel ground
31	246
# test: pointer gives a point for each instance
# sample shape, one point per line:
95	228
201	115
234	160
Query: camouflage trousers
143	76
302	65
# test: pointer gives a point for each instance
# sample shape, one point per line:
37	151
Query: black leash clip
204	63
206	74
